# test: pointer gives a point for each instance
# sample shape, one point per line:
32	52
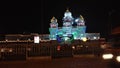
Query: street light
84	39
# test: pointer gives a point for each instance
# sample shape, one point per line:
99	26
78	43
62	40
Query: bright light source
118	58
10	50
73	47
107	56
2	50
36	39
66	38
94	37
84	39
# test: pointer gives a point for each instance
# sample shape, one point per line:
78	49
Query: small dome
80	21
53	23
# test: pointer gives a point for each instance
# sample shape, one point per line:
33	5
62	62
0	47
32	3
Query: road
78	62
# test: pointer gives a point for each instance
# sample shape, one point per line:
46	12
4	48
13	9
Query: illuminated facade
23	46
78	31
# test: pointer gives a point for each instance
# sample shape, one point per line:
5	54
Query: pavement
82	61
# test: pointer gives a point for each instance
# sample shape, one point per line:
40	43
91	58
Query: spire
67	10
53	19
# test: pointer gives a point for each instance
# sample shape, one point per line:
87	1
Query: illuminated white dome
67	14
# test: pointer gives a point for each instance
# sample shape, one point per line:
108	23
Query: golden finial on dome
67	10
53	19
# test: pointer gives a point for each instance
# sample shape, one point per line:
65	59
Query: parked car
111	55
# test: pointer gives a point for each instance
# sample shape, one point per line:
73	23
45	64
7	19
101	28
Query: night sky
99	15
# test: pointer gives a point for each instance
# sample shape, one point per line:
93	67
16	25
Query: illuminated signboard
36	39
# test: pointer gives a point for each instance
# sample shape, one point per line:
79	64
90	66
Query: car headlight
118	58
107	56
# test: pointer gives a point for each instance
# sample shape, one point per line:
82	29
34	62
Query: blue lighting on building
78	31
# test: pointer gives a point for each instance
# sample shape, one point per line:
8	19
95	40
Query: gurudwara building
72	27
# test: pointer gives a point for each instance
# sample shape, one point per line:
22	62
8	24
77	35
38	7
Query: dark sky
98	15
